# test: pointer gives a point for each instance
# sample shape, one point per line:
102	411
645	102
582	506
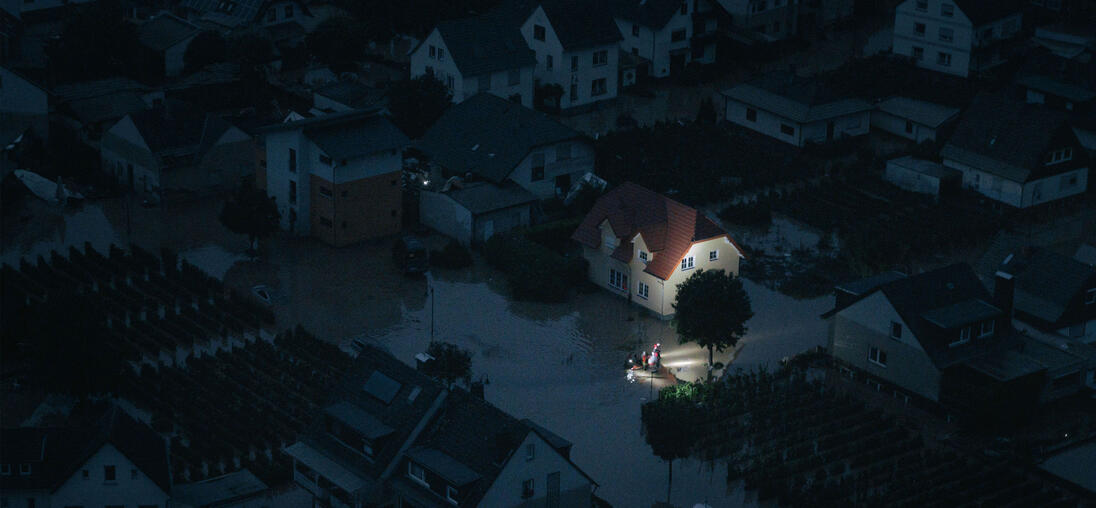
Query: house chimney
1003	290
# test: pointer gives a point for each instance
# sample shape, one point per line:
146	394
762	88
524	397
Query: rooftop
485	197
485	44
237	485
922	112
165	31
799	99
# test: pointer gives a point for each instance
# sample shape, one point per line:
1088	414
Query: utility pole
431	313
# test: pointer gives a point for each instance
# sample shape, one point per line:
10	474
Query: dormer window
896	330
417	473
964	337
643	256
24	469
1060	155
1090	296
451	494
687	263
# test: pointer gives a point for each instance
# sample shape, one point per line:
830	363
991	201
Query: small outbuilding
912	119
925	177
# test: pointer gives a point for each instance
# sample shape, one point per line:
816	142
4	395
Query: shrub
534	272
452	256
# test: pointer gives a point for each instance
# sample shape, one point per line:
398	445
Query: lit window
687	263
877	356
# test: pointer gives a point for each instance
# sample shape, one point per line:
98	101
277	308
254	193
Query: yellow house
641	245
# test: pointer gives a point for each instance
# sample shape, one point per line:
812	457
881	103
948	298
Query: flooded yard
562	365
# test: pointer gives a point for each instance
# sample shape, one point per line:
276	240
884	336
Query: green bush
532	271
556	236
452	256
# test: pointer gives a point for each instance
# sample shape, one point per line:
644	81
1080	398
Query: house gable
876	313
575	487
131	485
125	129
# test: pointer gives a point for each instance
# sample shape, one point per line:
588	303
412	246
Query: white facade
1022	194
508	489
587	75
130	487
282	176
939	36
433	57
564	164
664	47
173	57
795	133
902	127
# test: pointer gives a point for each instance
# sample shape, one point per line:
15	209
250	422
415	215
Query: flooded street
561	365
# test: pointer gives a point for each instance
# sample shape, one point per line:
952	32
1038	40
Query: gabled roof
87	89
1046	283
177	129
165	31
485	197
668	228
348	135
489	136
925	167
104	108
485	44
649	13
922	112
936	294
802	100
984	11
351	94
577	23
231	13
1006	137
235	486
55	454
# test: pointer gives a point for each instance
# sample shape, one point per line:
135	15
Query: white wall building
796	110
911	119
479	54
659	31
954	36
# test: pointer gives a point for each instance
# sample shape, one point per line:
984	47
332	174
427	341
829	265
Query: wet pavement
562	365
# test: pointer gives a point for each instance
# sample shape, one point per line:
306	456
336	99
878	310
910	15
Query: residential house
1054	293
115	462
89	108
490	139
957	37
640	245
478	54
346	95
658	31
1072	39
926	177
912	119
1018	154
226	15
940	336
337	177
1060	83
472	213
238	489
575	43
166	38
174	150
23	104
392	436
796	110
772	19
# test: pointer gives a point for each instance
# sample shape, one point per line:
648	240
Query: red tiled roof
668	228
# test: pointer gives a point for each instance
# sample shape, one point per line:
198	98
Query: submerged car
410	255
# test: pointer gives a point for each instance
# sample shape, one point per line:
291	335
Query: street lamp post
431	313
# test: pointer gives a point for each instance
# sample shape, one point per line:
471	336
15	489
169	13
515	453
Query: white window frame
1090	296
451	494
24	469
947	10
946	34
643	290
964	337
713	255
601	58
441	55
411	466
618	280
877	356
643	256
530	451
688	263
982	328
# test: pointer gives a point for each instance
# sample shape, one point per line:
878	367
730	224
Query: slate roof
864	286
176	129
649	13
484	197
668	228
165	31
922	112
237	485
489	136
802	100
348	135
351	94
1006	137
55	454
485	44
577	23
1047	283
984	11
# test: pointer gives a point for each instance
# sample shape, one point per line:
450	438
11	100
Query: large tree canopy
450	363
250	212
711	309
417	103
338	42
206	48
97	42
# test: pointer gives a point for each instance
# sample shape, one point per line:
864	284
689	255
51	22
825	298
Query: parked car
410	255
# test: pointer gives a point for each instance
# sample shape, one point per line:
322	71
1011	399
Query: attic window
1061	155
24	469
964	337
538	32
985	329
896	330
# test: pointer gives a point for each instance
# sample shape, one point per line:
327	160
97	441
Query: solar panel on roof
382	387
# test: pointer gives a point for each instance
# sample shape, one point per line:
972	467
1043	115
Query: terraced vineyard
202	364
797	442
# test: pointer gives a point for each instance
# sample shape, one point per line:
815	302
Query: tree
711	309
450	363
206	48
667	427
97	42
417	103
250	212
339	42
